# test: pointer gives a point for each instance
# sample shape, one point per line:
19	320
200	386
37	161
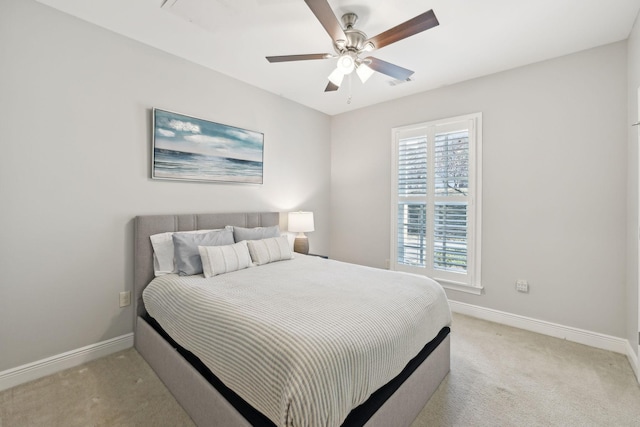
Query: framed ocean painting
192	149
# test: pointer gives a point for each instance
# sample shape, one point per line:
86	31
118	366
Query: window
436	204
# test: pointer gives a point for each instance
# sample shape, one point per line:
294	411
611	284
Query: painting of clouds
187	148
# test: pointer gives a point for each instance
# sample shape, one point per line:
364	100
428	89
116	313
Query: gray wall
74	170
555	178
75	105
633	60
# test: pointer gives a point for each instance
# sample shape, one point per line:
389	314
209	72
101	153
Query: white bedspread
303	341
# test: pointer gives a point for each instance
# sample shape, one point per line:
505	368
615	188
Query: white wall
554	206
633	60
75	123
74	170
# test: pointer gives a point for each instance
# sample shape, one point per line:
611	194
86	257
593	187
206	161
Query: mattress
303	341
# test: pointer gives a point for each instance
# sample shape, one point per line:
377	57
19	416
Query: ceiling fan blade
331	87
287	58
388	68
406	29
327	18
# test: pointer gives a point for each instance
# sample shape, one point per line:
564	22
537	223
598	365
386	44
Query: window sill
469	289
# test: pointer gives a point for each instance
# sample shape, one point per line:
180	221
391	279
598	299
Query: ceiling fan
349	43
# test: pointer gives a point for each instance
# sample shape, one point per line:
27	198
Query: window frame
471	280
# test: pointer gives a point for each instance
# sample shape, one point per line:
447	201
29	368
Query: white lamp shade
300	222
346	64
336	77
364	72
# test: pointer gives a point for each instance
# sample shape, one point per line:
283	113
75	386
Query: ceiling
474	38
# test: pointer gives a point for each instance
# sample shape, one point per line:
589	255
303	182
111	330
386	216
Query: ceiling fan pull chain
349	99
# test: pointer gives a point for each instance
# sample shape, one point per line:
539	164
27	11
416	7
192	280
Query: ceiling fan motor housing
355	38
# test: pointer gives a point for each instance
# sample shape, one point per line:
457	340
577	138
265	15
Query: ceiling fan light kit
336	77
349	43
346	62
364	72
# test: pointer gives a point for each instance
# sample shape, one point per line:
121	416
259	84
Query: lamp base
301	245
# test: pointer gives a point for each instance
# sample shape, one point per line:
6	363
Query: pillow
186	253
291	237
257	233
224	259
269	250
163	251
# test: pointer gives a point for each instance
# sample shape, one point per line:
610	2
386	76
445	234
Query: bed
207	399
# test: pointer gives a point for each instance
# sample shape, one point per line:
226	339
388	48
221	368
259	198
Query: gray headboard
148	225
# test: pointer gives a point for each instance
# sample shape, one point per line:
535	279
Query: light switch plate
125	298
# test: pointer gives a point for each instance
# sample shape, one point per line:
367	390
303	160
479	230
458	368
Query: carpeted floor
503	376
500	376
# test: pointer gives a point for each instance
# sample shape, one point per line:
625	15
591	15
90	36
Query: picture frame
187	148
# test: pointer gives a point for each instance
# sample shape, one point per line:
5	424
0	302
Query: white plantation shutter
412	167
451	163
411	212
450	237
436	200
451	170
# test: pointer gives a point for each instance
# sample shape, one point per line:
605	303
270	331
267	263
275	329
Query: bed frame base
207	407
204	404
402	408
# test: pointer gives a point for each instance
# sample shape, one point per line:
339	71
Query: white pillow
224	259
291	237
269	250
163	250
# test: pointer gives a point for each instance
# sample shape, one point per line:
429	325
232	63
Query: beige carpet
500	376
118	390
503	376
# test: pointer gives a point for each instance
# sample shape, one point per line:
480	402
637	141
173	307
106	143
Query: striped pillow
269	250
224	259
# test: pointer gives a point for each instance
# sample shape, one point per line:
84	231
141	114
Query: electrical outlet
125	298
387	264
522	286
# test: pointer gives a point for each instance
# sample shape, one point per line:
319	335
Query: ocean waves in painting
172	164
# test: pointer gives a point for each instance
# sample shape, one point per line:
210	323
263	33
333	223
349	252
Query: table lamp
301	222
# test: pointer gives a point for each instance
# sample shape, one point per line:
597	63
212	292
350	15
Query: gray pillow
269	250
257	233
186	253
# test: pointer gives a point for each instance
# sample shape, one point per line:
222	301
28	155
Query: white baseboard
633	361
581	336
51	365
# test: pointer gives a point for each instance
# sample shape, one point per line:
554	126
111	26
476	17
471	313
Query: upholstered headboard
148	225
